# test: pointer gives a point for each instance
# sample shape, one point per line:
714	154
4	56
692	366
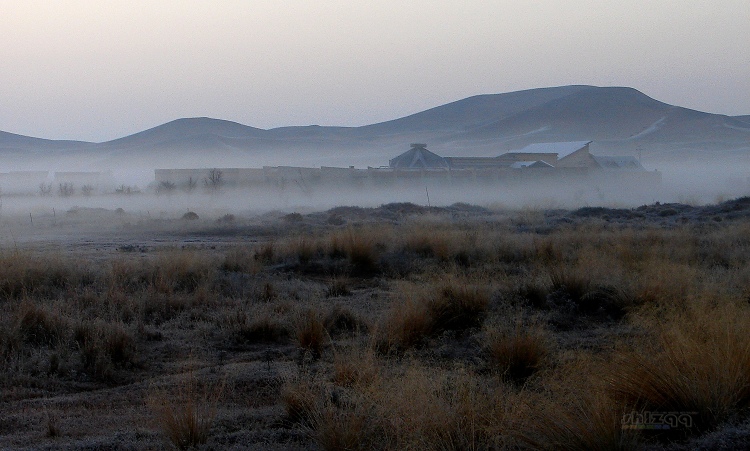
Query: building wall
581	158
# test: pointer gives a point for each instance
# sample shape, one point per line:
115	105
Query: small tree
87	190
214	179
127	190
166	187
45	189
66	189
191	184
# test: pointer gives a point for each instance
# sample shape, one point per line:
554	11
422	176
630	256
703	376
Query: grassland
398	327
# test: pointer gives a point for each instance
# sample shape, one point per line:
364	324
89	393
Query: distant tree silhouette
214	179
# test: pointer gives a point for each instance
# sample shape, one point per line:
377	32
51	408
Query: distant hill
14	142
617	119
199	131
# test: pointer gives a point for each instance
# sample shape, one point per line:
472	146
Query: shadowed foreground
398	327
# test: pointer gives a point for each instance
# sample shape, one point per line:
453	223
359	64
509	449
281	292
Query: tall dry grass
421	310
694	360
518	352
186	414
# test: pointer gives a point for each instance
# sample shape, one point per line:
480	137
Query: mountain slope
472	112
613	115
617	119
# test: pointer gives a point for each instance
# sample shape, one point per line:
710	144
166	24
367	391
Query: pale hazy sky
97	70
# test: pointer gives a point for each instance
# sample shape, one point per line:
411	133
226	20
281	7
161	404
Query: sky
99	70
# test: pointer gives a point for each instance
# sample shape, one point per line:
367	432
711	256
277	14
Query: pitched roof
562	149
531	164
418	157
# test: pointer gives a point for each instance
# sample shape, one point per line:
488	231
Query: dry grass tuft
570	283
104	347
574	420
458	305
22	274
187	414
358	246
259	326
310	332
40	326
337	429
342	321
356	365
407	323
182	271
338	287
518	353
299	398
696	361
241	259
420	312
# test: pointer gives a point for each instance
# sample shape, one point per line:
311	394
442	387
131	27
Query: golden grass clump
698	360
573	420
356	365
258	325
406	324
182	271
304	248
310	332
520	352
104	347
431	241
242	259
414	407
340	321
186	416
458	305
418	312
23	274
299	398
41	326
360	247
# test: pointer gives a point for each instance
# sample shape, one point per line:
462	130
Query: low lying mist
132	188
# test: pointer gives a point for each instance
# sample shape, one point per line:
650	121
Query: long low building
568	162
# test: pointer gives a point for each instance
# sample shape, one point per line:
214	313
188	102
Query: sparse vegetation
66	189
511	330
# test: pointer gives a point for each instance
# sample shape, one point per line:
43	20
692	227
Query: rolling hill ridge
618	119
